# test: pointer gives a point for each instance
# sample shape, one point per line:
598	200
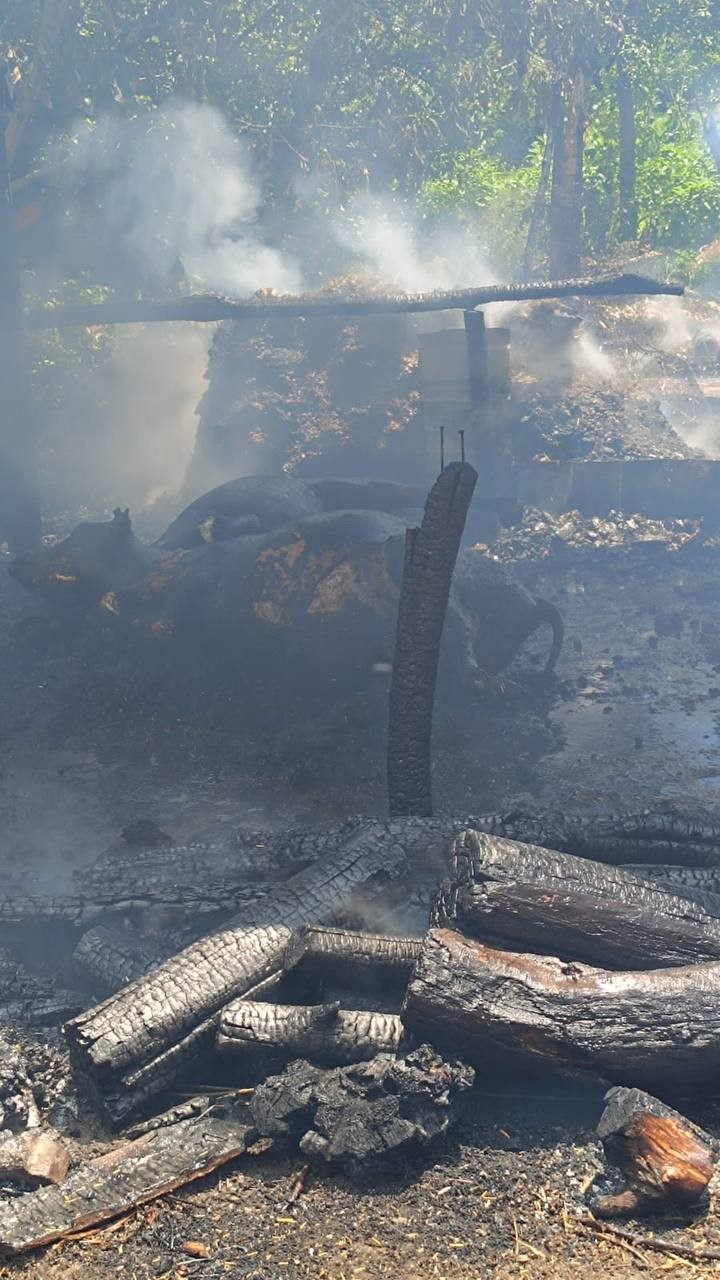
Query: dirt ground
632	718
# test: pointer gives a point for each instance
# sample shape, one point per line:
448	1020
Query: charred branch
210	309
151	1166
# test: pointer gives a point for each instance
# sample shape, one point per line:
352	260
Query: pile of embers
553	942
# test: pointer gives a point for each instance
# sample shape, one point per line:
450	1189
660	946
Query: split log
535	899
353	958
667	1161
320	1033
140	1024
150	1167
430	555
209	309
655	1029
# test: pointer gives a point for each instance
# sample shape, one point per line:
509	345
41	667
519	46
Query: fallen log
430	555
110	956
150	1167
136	1027
325	1033
523	896
214	879
666	1161
655	1029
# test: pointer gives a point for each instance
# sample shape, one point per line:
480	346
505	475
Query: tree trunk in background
628	160
19	502
537	216
568	139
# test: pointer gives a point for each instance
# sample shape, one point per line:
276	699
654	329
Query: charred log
218	879
666	1161
523	896
111	956
353	958
363	1116
138	1026
325	1034
653	1028
150	1167
33	1001
430	555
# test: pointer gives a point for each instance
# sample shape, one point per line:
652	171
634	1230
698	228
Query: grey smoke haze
388	239
123	433
177	191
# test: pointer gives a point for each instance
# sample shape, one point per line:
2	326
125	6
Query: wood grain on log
321	1033
150	1167
666	1160
648	1028
536	899
348	955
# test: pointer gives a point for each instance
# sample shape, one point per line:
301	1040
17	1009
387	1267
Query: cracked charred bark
655	1028
119	1046
521	895
430	555
324	1033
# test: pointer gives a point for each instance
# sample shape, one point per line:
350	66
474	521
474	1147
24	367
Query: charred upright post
430	555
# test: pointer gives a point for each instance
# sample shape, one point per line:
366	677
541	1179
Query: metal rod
462	445
442	448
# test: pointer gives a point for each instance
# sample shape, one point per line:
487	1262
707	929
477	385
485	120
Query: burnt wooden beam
209	308
530	898
321	1033
430	556
153	1165
658	1029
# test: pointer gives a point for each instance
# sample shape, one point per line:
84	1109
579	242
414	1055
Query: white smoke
178	192
387	239
592	361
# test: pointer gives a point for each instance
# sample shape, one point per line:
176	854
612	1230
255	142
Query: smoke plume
176	191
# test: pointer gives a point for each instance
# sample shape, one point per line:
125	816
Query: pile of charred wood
358	1043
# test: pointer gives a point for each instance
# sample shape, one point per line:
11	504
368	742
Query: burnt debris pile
535	941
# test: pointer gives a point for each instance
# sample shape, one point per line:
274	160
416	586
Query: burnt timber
523	896
657	1028
208	308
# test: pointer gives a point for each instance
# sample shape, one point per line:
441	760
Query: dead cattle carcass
266	587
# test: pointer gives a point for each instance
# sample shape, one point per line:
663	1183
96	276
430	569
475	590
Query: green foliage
488	196
678	186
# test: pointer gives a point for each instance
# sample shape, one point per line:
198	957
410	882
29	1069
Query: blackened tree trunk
19	504
627	225
566	197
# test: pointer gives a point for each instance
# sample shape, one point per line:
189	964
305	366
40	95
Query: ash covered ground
632	717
